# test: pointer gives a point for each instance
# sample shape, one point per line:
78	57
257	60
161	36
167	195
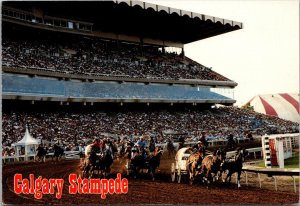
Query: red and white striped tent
284	106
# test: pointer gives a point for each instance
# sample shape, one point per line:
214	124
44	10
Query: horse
100	162
123	157
234	165
108	158
121	150
58	152
136	161
41	154
154	162
139	162
193	164
86	166
212	164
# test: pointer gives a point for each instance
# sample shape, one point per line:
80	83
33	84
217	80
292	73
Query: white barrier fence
67	154
253	151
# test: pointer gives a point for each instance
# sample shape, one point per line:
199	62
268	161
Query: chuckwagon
179	168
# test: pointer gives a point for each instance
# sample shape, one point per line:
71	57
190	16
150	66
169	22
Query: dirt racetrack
142	190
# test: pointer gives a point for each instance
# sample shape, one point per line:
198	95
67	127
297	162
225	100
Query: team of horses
139	163
209	168
137	160
97	163
212	167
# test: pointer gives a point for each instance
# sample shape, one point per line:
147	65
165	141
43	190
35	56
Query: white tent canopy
27	140
29	144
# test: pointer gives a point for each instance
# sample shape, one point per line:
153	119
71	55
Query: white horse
88	150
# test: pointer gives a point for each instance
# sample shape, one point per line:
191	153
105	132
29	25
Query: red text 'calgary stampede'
78	185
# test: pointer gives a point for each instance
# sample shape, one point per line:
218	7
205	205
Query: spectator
249	136
230	142
70	127
100	58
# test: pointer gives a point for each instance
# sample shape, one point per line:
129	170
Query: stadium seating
97	57
75	126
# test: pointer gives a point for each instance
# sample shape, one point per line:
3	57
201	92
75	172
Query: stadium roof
134	18
284	106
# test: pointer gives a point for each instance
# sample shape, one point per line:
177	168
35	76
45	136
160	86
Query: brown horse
154	161
212	164
193	162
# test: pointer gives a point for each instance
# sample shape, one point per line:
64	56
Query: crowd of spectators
75	128
104	58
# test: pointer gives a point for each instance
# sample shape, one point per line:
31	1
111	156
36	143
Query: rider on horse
95	148
204	143
142	146
200	149
40	149
41	152
152	144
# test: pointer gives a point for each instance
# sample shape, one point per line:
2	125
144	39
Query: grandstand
75	70
89	49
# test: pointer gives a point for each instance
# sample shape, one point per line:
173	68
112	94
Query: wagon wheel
179	175
173	174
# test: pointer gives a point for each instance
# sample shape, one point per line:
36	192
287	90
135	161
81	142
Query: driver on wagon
199	147
96	145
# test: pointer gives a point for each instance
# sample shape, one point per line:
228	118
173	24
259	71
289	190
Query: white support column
17	153
26	153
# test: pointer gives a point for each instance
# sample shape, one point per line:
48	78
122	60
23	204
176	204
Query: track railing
272	172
